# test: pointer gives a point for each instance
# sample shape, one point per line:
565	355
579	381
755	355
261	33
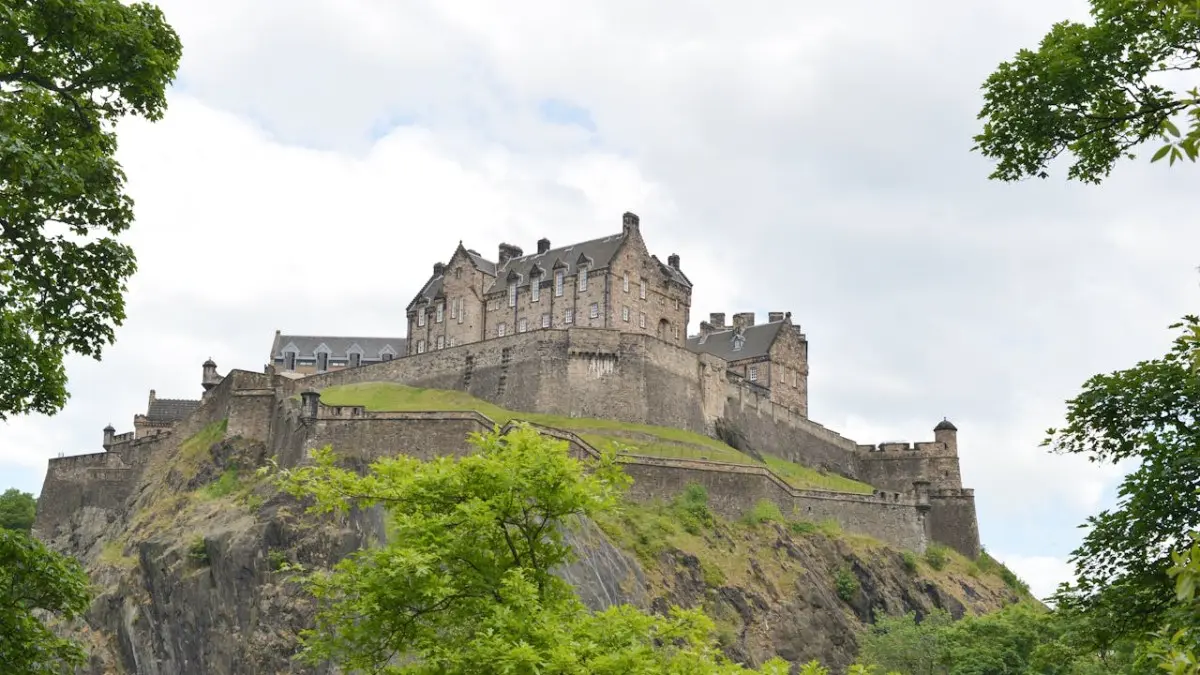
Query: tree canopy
17	510
464	582
1097	91
35	579
69	70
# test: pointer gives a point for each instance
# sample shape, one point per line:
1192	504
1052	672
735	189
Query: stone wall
784	432
953	521
893	465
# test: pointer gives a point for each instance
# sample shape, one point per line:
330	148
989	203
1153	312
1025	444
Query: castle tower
946	432
209	377
109	432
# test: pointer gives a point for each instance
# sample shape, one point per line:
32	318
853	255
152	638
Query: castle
596	330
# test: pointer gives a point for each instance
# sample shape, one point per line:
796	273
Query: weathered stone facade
770	357
312	354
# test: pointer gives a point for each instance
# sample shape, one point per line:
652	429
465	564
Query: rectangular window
676	332
545	321
420	346
522	326
441	310
461	311
500	330
385	356
289	360
625	314
642	292
753	373
625	282
641	320
535	289
322	361
512	294
676	303
441	342
568	316
355	359
451	342
583	277
421	317
454	308
558	283
594	311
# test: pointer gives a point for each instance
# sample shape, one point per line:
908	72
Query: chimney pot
439	269
629	222
717	319
772	317
508	252
673	260
543	245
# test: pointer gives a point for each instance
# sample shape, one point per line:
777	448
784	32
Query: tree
69	70
1144	415
1096	91
36	579
17	510
464	583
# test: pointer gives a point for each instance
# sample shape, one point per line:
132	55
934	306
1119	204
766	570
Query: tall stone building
771	357
612	282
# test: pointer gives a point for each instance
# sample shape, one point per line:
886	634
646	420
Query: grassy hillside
639	438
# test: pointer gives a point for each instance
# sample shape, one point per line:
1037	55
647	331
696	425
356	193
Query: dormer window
421	316
535	288
558	283
441	310
583	277
355	359
512	294
738	341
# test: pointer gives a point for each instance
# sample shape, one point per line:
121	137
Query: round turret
208	375
109	432
946	432
945	425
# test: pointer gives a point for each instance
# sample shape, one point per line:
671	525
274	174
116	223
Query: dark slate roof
757	341
486	266
306	345
596	253
945	425
170	409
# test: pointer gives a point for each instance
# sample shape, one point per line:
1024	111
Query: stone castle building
594	330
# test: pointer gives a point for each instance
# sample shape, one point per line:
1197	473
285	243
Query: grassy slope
640	438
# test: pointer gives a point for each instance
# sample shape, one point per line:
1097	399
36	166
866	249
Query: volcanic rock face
193	580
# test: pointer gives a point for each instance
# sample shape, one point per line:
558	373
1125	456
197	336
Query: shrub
937	556
277	559
227	484
802	527
910	561
692	508
712	574
198	550
830	527
847	584
763	512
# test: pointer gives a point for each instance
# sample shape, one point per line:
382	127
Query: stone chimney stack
773	317
543	245
629	223
673	260
717	319
508	252
439	269
743	320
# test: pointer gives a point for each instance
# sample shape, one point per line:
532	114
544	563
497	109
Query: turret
946	432
209	377
310	400
109	432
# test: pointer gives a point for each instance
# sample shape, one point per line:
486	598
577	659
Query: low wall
893	465
783	432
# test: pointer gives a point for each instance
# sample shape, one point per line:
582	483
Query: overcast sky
320	155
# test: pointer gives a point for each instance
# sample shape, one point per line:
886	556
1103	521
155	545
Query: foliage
226	484
1097	91
1175	648
903	644
847	584
69	70
198	550
18	510
32	579
1145	416
764	511
691	507
937	556
910	560
464	583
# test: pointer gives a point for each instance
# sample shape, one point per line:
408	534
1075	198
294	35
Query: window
535	288
421	317
642	320
451	343
454	308
676	332
386	356
289	360
676	303
322	361
512	294
594	310
457	272
568	316
441	342
642	291
545	321
522	326
462	311
754	373
500	330
625	314
558	283
355	359
583	277
625	282
420	346
441	311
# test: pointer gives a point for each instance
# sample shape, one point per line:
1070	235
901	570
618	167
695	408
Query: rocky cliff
191	579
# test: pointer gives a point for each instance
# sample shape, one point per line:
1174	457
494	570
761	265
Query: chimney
151	398
706	328
439	269
629	223
673	260
717	319
543	245
743	320
508	252
774	317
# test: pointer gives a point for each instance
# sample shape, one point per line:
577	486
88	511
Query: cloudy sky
320	155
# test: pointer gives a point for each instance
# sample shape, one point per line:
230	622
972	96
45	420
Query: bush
937	556
692	509
847	584
277	559
910	561
198	550
802	527
764	512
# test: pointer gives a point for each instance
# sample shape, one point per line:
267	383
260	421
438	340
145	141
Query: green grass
602	434
194	451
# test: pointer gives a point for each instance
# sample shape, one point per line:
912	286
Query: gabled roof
170	409
306	346
672	273
433	287
596	253
755	341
